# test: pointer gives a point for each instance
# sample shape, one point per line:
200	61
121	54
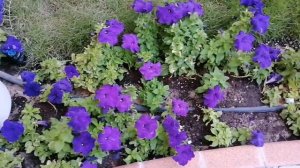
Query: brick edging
271	155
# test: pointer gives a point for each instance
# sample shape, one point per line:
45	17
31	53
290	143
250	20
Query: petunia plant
103	115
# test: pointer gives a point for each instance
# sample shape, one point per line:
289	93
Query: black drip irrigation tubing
259	109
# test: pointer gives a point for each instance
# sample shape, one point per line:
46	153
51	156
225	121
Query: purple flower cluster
88	164
83	143
184	154
12	47
257	138
12	131
2	4
131	43
265	55
176	137
150	70
110	34
31	88
80	119
141	6
244	42
110	139
71	71
146	127
110	97
260	23
180	107
58	90
213	97
27	76
176	140
255	6
174	12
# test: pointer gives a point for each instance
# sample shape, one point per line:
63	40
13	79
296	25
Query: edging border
285	153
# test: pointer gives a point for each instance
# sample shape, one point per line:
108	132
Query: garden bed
153	93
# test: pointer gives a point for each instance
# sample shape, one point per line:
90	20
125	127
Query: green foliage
147	32
140	150
131	90
292	116
220	48
222	134
239	61
259	74
62	164
153	94
51	69
212	79
89	103
273	96
10	160
100	64
185	40
289	67
57	142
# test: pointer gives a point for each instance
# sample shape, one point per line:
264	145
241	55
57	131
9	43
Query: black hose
259	109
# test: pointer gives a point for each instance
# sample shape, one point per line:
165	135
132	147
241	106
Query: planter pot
5	103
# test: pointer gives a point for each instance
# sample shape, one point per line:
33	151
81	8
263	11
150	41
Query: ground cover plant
97	115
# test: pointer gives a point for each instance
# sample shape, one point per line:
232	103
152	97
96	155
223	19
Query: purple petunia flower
150	70
32	89
80	119
12	47
274	53
141	6
110	139
131	43
12	131
108	36
2	4
177	139
124	103
64	85
274	78
247	2
244	42
27	76
257	7
184	154
260	23
71	71
257	139
262	56
115	26
146	127
108	96
168	14
180	107
56	96
213	97
171	125
83	144
88	164
190	7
